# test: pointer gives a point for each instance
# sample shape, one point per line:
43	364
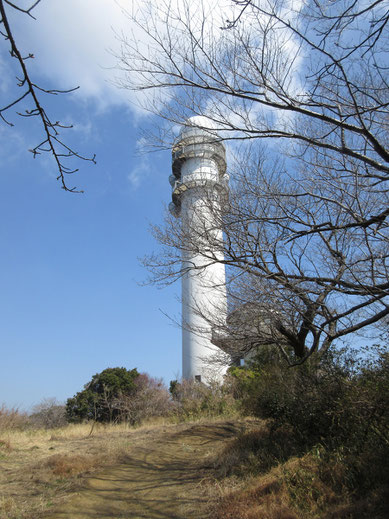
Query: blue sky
71	304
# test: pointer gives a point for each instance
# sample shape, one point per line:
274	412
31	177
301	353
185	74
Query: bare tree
48	414
52	142
323	70
301	293
150	399
306	232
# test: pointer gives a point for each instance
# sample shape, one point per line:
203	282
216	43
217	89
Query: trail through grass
161	477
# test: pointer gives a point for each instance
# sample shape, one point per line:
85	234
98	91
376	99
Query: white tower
199	187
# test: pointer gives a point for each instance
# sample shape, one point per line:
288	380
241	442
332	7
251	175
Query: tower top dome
201	121
198	125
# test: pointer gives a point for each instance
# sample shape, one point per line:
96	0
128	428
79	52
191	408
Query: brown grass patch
255	451
65	465
264	499
261	475
38	468
296	489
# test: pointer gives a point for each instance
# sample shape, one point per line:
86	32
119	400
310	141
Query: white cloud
139	173
71	42
74	42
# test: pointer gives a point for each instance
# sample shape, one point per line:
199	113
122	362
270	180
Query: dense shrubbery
335	409
119	395
48	414
323	402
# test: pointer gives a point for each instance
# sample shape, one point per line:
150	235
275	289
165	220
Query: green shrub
338	405
97	401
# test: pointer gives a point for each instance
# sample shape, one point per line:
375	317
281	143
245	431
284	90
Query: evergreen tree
97	400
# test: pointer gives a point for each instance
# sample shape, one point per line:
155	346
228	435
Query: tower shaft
199	187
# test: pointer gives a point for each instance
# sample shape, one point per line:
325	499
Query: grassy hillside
308	442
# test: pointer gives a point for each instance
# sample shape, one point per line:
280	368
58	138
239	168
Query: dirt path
161	479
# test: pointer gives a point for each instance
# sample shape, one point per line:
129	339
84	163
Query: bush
97	400
194	400
149	399
337	407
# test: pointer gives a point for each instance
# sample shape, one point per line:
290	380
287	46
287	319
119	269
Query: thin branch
38	111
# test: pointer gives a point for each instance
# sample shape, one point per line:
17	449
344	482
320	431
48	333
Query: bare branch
305	230
54	144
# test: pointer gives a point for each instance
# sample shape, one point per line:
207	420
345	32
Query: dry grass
252	484
255	451
39	468
12	418
65	465
5	445
253	498
292	490
258	474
